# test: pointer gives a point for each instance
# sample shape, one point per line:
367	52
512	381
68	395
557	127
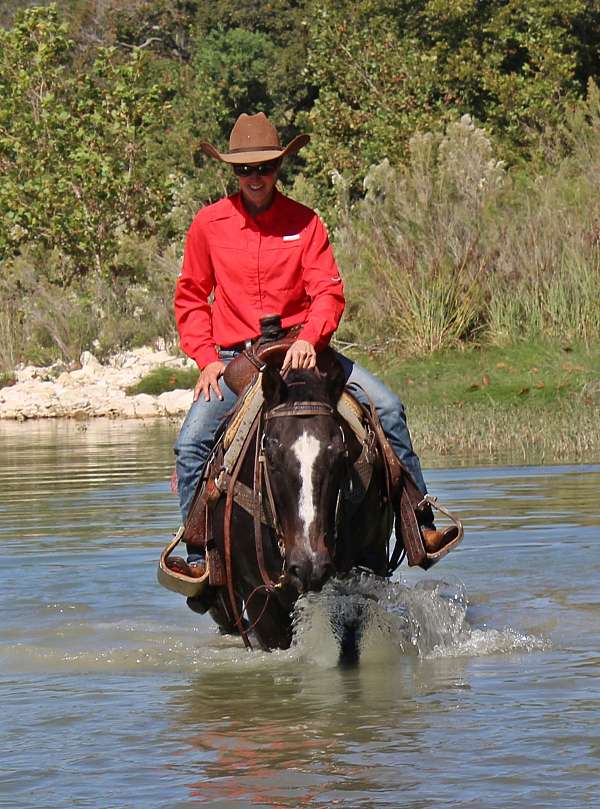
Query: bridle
261	473
262	476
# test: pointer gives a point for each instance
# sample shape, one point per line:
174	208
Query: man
259	252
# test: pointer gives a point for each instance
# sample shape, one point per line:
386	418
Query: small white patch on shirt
306	450
294	237
336	278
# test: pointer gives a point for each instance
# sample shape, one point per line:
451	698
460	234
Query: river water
478	685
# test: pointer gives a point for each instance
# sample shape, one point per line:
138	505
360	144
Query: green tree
385	70
76	149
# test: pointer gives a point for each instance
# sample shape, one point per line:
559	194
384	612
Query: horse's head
305	460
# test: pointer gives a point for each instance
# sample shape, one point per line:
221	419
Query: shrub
164	379
453	248
41	322
411	249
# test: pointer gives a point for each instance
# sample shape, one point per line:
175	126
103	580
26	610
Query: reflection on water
478	683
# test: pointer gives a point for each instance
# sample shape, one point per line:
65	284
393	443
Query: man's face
257	183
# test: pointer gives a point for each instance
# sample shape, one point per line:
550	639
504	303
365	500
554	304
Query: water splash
427	620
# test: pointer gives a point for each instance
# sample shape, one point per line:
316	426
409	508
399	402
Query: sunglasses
262	169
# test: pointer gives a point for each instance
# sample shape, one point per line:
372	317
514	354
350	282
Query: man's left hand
300	354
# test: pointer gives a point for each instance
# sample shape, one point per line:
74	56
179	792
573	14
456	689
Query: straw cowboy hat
254	139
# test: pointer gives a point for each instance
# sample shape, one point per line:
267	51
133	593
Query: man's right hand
209	378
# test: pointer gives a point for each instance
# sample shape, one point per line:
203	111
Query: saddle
242	375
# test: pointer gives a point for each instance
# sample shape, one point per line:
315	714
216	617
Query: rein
227	536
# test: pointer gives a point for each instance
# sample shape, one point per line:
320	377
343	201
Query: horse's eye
273	447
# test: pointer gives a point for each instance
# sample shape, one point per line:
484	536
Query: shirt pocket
231	262
281	262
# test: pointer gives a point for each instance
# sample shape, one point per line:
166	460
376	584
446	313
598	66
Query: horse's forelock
305	385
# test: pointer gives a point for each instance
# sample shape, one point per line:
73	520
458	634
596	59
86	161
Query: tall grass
453	248
41	322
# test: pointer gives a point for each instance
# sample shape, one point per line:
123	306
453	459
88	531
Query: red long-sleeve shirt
280	262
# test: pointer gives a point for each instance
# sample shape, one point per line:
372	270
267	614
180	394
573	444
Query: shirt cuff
205	357
314	335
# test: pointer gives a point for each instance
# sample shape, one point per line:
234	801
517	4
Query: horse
310	514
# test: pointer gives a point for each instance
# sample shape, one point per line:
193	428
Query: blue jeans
197	435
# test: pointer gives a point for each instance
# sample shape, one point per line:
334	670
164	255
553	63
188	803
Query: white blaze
306	450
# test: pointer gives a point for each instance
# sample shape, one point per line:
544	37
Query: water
478	685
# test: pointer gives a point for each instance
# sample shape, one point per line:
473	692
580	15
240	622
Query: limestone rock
95	389
174	402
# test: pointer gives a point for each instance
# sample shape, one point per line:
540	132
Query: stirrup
178	582
433	502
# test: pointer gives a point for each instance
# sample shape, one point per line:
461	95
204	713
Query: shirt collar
263	219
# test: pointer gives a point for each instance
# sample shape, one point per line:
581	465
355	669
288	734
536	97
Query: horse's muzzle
309	575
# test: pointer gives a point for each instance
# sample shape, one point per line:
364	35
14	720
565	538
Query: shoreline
94	390
485	423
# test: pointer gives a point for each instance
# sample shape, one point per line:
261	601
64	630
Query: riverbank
527	402
95	390
532	402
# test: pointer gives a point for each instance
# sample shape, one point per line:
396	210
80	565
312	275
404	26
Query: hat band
256	149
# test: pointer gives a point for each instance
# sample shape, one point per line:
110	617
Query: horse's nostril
295	571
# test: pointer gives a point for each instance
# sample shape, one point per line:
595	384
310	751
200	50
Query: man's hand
209	378
300	354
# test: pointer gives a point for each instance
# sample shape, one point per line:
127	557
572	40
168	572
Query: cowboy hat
254	139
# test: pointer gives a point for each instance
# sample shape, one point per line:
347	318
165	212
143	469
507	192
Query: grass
521	375
533	402
164	379
7	379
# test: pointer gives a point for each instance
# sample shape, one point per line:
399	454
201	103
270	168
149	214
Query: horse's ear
336	381
273	386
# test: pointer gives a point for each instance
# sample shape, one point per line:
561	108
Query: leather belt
238	346
246	344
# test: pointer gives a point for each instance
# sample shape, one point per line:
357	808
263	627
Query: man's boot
434	540
194	569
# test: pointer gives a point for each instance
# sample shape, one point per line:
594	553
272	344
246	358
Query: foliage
6	379
446	226
164	26
74	148
411	248
452	248
283	24
164	379
41	323
386	70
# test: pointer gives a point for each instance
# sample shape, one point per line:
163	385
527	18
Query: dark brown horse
316	515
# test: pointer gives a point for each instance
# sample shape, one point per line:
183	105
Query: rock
174	402
27	372
73	400
129	360
87	360
145	406
94	389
